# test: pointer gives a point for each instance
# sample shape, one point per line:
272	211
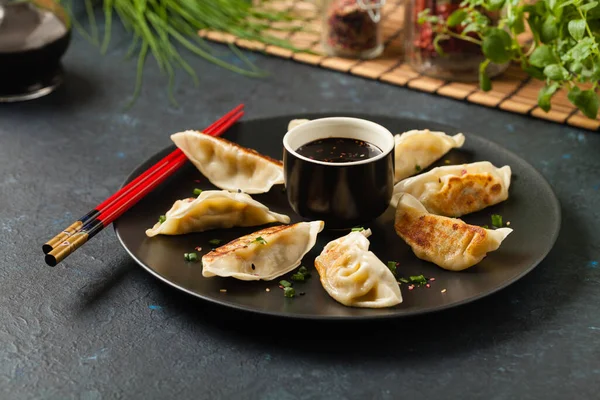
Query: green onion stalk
164	28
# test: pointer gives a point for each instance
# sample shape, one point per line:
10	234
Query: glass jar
461	59
351	28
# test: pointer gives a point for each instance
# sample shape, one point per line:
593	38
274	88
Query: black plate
532	209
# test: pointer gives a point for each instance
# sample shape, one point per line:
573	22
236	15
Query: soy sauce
339	150
32	42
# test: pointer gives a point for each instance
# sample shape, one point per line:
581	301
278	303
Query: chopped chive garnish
403	280
497	220
418	279
197	192
417	167
162	219
289	291
192	257
186	256
358	229
485	227
392	266
215	242
298	277
259	240
302	270
285	283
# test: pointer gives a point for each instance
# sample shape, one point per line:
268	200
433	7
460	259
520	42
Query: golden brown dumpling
447	242
265	254
457	190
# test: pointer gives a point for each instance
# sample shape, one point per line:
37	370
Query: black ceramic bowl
342	194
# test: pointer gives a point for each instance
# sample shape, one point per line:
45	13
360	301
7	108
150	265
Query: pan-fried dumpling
228	165
265	254
295	122
447	242
354	276
418	149
214	209
457	190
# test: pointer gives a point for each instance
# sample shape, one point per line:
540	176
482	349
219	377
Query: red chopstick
99	218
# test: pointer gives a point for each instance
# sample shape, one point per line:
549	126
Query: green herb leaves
585	100
545	95
497	45
456	18
556	72
192	257
542	56
259	240
497	220
565	51
577	28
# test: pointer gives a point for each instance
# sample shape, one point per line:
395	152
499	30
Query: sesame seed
432	279
267	290
507	223
443	290
223	290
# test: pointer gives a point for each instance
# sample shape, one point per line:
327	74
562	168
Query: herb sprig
564	51
165	28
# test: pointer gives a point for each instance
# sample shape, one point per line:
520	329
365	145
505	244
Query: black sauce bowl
341	194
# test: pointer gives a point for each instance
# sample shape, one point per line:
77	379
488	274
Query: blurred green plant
564	51
162	28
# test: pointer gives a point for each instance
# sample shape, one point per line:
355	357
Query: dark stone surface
97	326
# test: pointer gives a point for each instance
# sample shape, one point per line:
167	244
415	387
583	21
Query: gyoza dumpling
228	165
265	254
418	149
457	190
295	122
354	276
214	209
447	242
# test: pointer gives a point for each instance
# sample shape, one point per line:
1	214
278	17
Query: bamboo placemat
513	91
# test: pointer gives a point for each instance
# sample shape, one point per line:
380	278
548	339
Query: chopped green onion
285	283
418	279
358	229
497	220
298	277
259	240
289	292
485	227
417	167
392	266
403	280
192	257
304	271
186	256
197	192
162	219
214	242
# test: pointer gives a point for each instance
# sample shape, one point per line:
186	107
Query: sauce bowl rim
372	126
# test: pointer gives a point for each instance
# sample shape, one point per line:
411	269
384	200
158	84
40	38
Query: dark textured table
97	326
